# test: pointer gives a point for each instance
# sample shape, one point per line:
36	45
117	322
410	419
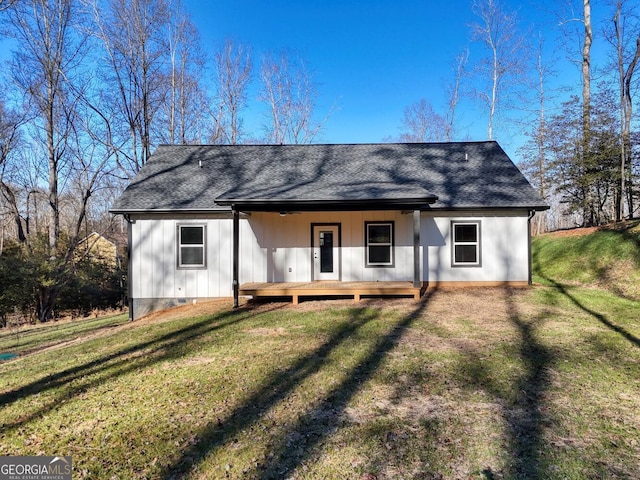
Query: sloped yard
486	383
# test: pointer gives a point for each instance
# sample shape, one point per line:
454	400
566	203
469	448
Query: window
466	243
191	241
379	244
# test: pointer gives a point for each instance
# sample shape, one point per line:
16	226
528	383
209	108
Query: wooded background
93	86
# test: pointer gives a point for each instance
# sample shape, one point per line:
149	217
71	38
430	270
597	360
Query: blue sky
371	58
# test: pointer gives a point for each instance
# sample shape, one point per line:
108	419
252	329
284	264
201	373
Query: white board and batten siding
277	248
154	261
285	243
504	237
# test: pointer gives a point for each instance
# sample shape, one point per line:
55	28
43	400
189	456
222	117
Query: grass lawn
482	383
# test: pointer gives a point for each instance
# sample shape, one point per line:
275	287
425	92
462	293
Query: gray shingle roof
460	174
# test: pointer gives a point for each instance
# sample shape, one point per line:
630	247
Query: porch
357	290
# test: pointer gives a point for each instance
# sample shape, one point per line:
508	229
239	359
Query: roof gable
202	178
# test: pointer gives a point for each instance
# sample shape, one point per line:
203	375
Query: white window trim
390	244
204	246
477	243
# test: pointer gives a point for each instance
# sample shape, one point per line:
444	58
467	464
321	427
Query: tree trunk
619	204
47	297
10	197
586	70
586	105
626	133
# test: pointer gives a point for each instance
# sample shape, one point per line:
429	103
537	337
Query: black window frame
477	243
391	246
180	246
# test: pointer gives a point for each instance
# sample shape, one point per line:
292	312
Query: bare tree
133	33
232	65
506	63
582	31
453	92
90	167
586	70
534	163
576	23
422	123
6	4
627	56
9	135
186	104
50	51
46	68
290	93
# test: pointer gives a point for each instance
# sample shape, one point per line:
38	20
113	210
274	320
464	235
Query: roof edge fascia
271	205
537	208
129	211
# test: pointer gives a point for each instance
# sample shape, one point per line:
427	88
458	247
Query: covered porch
319	287
357	290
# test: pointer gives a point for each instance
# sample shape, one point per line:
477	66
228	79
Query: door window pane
326	252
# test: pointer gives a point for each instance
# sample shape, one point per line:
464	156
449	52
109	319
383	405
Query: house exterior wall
504	247
284	243
156	282
276	248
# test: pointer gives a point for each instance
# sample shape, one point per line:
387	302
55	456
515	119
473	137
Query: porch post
236	250
130	267
530	274
416	249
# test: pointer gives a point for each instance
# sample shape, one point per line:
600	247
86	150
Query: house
229	220
98	248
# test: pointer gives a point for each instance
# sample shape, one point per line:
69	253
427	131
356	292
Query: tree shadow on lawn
598	316
29	341
282	461
527	418
564	290
80	378
523	401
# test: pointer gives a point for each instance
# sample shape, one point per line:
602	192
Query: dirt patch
193	361
581	231
198	309
267	332
572	232
402	304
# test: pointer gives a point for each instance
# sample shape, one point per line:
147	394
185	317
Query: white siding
154	266
275	248
285	244
504	248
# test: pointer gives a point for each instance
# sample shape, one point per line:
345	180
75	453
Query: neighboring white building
218	221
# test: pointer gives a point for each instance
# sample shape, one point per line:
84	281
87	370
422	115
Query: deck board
357	290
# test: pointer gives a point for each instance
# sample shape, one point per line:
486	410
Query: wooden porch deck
357	290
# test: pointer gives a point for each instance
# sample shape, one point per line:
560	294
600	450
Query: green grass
608	258
482	384
24	339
